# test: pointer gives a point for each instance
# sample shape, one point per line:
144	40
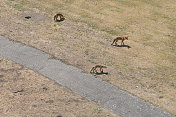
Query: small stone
49	101
59	116
160	97
44	88
34	105
1	76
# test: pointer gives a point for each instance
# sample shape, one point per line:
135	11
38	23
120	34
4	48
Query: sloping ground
25	93
147	69
86	85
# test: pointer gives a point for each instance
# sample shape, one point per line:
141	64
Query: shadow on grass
100	73
122	46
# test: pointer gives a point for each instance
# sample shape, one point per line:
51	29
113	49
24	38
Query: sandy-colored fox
58	17
94	69
119	38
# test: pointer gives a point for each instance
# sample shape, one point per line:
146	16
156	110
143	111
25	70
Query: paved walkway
86	85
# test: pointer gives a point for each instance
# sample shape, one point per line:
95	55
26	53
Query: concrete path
86	85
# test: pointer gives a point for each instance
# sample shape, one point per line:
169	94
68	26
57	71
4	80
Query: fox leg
101	70
54	18
122	43
113	42
60	17
93	68
116	42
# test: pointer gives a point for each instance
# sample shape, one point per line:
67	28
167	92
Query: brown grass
25	93
147	69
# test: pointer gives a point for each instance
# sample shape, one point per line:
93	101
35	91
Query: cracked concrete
86	85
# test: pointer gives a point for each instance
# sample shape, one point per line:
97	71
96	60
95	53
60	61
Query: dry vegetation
25	93
147	69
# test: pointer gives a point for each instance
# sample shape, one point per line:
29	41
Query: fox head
126	38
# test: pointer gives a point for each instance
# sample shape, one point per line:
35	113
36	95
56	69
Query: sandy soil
83	39
25	93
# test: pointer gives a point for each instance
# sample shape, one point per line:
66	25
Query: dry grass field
147	69
25	93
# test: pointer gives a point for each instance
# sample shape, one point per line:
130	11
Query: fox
94	69
58	15
119	38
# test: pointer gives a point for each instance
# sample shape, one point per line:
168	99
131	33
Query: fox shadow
122	46
100	73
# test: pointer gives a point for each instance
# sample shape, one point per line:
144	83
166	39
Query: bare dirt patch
147	69
33	16
25	93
